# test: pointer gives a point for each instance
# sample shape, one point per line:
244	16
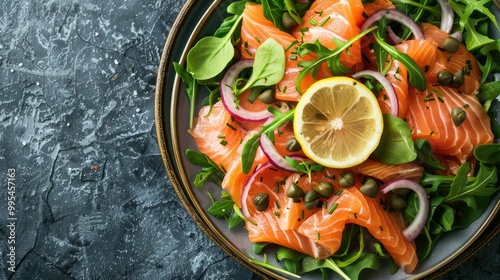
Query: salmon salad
430	69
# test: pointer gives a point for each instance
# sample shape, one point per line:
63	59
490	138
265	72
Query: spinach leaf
396	145
211	54
268	67
488	153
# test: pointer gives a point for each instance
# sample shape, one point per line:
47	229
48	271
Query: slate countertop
78	150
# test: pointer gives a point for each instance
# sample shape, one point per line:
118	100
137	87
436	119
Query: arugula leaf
396	145
304	166
331	57
417	77
273	11
489	91
211	54
465	10
484	183
250	147
209	168
235	9
191	88
267	265
268	66
311	264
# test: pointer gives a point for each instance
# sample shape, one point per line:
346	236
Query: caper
401	191
267	96
346	179
397	202
370	188
444	77
458	115
292	145
324	189
294	191
311	199
451	44
261	201
288	21
458	79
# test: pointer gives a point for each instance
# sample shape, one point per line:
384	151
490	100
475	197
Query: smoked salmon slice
429	117
462	60
255	29
217	134
351	206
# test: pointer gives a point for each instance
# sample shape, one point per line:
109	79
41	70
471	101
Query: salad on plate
347	133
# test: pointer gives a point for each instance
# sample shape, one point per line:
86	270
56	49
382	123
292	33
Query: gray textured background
93	200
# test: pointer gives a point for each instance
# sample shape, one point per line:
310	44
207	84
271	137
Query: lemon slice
338	122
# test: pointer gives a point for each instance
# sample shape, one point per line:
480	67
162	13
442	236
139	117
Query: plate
196	20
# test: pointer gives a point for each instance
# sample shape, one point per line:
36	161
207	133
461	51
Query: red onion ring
457	35
415	228
389	88
229	100
447	16
393	37
275	158
398	16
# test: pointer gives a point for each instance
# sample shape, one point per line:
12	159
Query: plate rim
486	232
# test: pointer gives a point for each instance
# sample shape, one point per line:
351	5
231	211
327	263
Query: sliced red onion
398	16
447	16
393	37
229	100
389	88
275	158
457	35
248	184
415	228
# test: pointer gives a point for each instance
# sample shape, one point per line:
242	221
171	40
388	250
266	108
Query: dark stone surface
92	198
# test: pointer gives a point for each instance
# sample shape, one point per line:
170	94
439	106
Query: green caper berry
294	191
292	145
267	96
401	191
397	202
458	115
370	188
346	179
444	77
324	189
458	79
451	44
288	22
311	199
261	201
